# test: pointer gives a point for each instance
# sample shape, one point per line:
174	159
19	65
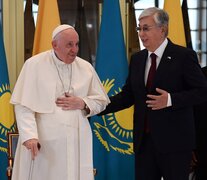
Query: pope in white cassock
55	93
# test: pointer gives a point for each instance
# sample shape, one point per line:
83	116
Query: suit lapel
165	63
138	69
142	71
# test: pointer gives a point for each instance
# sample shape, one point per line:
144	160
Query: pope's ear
54	44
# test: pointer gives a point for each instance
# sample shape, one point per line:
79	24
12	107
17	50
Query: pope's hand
70	103
32	145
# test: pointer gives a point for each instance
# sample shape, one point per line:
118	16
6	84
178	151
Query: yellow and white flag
47	19
176	27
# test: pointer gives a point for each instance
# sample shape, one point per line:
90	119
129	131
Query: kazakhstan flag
112	133
6	110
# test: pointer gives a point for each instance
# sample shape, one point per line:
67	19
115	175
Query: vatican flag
176	27
47	20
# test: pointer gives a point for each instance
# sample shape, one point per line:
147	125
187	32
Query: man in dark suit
200	112
163	94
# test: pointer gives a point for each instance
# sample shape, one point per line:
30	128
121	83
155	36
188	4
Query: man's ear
164	29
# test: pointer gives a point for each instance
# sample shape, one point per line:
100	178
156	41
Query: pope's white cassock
65	136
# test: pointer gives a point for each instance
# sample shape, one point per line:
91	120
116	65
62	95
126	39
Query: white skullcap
61	28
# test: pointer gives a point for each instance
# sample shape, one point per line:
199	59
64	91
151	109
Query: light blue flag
6	110
112	133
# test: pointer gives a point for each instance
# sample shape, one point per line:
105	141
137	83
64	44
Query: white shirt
159	52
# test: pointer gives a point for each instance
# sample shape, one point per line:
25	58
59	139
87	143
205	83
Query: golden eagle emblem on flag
115	132
6	116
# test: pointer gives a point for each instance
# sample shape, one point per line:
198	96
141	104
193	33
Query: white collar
160	50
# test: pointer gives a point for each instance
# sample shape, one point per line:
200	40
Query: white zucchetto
60	28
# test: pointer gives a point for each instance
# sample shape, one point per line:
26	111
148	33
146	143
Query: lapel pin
169	58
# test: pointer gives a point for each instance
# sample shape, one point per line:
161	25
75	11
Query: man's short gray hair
160	16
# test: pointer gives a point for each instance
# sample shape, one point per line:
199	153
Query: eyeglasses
145	28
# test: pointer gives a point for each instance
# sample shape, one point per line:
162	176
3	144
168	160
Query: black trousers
153	165
201	169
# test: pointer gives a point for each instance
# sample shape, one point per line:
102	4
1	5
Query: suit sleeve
122	100
194	83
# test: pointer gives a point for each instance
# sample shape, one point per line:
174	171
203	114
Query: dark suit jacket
179	73
201	123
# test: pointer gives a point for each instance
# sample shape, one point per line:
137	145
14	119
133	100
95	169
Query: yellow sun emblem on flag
6	115
118	127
